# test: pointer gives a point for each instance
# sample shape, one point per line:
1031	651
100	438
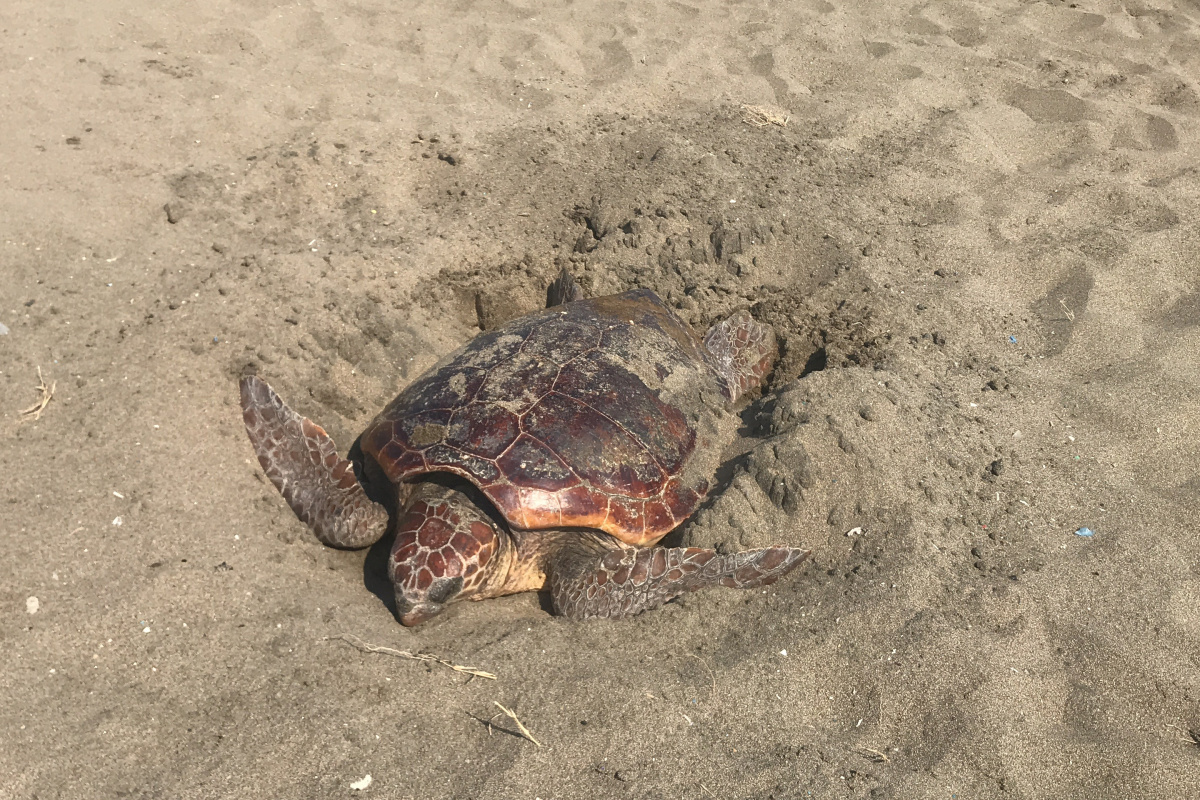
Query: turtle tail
301	460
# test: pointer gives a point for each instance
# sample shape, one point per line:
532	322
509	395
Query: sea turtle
551	452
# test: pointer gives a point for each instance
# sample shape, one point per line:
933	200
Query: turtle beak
427	604
418	613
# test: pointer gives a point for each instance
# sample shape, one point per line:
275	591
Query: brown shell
596	414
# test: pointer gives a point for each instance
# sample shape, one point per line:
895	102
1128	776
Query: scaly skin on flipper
742	351
564	289
625	581
300	459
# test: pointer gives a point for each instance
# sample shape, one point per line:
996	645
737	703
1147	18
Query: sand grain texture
975	236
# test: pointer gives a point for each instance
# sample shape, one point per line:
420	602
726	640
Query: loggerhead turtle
552	452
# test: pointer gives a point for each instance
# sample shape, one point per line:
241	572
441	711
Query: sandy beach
972	226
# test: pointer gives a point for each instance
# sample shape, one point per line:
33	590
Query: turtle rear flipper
563	290
624	582
300	459
743	351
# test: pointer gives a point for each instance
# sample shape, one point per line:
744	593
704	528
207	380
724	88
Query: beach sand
973	227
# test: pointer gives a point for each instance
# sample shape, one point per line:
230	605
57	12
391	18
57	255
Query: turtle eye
444	590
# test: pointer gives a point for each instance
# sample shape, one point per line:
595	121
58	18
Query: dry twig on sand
761	116
872	754
366	647
524	731
1193	735
47	394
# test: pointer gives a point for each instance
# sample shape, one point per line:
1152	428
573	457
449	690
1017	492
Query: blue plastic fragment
1012	340
1085	532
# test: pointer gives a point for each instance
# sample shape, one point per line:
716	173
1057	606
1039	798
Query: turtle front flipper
300	459
623	582
743	351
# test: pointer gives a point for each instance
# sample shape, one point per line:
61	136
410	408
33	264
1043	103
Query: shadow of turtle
380	490
375	572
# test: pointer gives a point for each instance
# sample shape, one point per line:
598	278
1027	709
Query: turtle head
446	550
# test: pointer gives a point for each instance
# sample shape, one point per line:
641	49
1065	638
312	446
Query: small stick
706	791
47	394
354	641
1193	735
1062	301
761	117
874	755
524	731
